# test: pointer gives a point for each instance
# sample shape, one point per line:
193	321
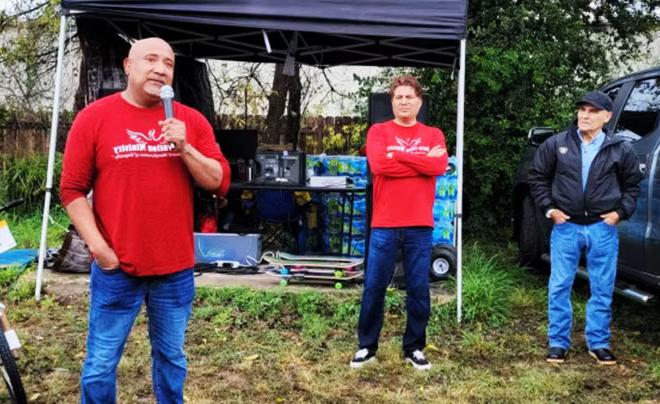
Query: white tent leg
460	113
51	158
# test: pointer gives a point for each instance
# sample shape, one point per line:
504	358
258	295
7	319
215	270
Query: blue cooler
228	247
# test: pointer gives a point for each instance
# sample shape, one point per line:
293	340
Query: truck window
613	92
640	113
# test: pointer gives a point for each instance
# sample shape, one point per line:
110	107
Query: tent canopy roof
315	32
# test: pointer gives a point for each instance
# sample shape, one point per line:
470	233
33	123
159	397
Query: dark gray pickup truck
636	117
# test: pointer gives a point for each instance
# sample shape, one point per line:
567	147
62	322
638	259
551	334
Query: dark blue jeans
115	301
384	244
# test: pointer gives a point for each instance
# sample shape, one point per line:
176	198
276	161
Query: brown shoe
603	356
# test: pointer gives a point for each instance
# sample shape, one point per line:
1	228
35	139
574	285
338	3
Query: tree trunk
102	72
193	88
276	106
292	133
101	64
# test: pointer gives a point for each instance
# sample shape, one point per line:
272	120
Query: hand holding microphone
173	130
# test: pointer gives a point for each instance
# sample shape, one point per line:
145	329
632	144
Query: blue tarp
20	258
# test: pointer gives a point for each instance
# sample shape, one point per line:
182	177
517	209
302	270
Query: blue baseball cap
597	99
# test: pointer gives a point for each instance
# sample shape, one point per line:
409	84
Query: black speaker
239	146
281	167
238	143
380	108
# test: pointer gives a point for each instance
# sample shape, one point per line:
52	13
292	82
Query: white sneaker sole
418	367
357	365
600	362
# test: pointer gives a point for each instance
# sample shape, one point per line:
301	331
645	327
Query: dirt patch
66	287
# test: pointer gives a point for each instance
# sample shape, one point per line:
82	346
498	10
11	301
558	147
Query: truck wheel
529	244
443	262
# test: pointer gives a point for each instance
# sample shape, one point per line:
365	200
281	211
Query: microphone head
166	92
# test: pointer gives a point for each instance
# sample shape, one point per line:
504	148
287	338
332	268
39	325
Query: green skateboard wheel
283	282
338	285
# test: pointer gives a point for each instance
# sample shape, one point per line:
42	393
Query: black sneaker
362	357
417	359
556	355
603	356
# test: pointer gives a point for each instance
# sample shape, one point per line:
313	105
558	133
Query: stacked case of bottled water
444	206
355	168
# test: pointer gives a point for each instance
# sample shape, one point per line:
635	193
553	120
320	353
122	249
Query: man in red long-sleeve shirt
405	157
141	168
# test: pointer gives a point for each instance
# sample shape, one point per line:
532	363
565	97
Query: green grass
25	177
26	227
287	346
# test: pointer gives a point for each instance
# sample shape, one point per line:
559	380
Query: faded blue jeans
600	242
384	244
115	301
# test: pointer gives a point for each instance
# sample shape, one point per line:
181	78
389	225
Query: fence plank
29	135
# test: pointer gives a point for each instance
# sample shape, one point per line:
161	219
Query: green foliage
293	345
25	177
488	286
348	141
28	51
26	227
655	370
8	277
13	286
22	290
527	61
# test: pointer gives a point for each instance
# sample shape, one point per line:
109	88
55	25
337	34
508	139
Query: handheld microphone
166	95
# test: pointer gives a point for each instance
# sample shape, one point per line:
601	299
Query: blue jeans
384	244
115	301
600	242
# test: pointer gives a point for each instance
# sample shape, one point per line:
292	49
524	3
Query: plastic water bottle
438	209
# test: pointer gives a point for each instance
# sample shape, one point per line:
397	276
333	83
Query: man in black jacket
586	181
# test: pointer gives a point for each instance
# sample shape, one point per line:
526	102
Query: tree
527	62
28	53
285	95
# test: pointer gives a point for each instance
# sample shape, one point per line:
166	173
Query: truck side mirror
537	136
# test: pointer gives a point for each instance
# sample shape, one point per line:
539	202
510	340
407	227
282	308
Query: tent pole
51	158
460	113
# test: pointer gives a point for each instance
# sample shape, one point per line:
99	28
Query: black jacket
555	178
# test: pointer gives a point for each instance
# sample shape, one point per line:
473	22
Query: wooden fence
29	135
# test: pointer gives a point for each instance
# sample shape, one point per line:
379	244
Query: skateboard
321	258
314	262
314	268
338	278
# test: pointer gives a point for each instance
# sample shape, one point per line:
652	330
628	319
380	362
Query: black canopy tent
416	33
321	32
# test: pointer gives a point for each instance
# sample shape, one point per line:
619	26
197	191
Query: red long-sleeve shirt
142	200
404	184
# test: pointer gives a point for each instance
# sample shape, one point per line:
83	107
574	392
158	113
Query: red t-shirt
404	185
142	199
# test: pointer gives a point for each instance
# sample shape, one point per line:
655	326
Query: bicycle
10	346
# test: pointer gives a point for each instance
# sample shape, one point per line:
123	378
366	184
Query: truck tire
443	262
529	240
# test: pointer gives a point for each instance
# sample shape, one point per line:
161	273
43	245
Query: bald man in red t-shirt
141	168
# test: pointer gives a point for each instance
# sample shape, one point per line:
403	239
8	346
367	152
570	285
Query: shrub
488	284
25	177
